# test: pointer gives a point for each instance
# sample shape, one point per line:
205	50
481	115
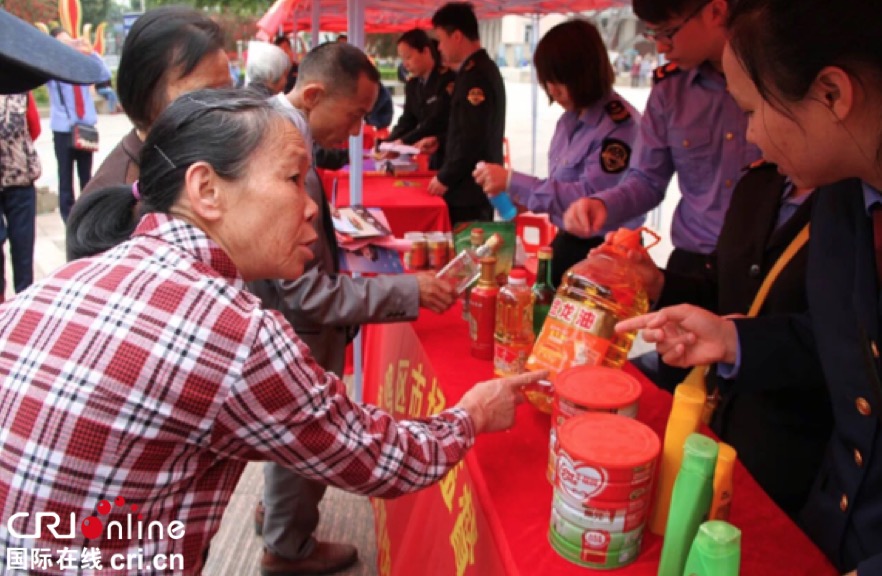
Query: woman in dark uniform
427	93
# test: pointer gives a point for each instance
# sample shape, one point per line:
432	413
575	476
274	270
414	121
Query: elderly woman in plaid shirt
147	376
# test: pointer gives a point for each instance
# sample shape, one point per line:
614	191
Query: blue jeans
66	157
18	213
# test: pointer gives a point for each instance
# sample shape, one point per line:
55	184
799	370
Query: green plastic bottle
716	550
690	502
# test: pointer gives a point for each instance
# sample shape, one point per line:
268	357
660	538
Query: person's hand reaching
492	403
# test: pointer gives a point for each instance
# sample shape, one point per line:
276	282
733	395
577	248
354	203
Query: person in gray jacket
336	87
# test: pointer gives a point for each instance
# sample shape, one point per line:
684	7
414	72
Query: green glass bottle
543	289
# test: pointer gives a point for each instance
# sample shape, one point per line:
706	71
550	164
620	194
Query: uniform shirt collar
708	76
190	239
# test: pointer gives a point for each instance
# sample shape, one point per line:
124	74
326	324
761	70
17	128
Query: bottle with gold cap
463	270
684	419
482	306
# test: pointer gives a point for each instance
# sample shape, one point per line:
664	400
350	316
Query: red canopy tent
401	15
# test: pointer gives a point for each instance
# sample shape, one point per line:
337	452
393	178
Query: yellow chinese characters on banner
465	533
447	485
406	393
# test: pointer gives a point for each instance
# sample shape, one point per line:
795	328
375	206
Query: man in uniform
336	87
477	114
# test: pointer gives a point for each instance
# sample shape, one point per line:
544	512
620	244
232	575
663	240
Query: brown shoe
326	558
259	514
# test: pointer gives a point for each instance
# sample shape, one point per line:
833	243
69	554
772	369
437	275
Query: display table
404	199
490	515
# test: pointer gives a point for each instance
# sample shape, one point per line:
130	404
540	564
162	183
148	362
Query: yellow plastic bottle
514	325
593	296
723	484
684	420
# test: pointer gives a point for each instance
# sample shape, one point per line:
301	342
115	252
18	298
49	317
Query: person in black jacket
426	94
477	115
780	435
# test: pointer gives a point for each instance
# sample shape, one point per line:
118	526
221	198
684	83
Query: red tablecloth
404	199
511	493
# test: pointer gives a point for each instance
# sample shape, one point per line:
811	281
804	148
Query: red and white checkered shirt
150	374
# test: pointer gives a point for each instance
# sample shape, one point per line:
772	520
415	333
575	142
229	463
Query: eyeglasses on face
666	35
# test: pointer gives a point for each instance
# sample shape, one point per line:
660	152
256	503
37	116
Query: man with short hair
336	88
477	115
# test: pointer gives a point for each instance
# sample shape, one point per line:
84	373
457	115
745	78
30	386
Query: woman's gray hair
267	63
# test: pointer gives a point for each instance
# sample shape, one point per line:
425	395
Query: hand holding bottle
492	178
492	403
436	294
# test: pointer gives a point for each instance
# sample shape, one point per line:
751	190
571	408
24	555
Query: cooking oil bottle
593	296
514	325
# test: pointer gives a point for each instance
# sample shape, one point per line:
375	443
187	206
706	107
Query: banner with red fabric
491	515
399	378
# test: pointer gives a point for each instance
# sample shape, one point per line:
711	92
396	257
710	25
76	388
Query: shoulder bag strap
696	376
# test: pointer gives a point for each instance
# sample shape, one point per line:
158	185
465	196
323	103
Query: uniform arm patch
615	156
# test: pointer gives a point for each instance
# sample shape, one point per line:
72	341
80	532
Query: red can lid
597	387
609	441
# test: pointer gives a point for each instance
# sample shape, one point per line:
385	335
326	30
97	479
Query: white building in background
509	40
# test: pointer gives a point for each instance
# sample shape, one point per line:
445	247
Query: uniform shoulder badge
615	156
476	96
449	88
665	71
617	111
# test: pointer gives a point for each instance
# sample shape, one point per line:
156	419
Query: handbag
697	376
82	136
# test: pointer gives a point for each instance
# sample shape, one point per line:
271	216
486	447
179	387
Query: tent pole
316	22
534	82
355	13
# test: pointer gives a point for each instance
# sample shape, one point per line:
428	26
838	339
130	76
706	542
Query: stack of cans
584	389
602	489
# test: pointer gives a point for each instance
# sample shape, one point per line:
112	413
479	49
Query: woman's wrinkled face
799	137
416	62
267	228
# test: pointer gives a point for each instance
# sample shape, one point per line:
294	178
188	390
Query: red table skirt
503	477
